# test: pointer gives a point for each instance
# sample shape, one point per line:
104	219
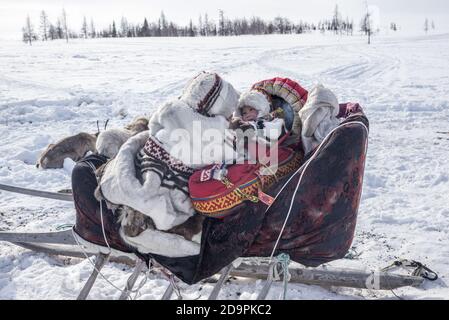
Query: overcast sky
409	14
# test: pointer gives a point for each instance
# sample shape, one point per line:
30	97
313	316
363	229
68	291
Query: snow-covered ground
52	90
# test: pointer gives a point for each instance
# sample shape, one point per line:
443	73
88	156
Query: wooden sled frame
63	243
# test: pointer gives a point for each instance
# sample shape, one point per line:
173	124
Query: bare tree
201	26
28	34
426	25
124	27
44	25
52	32
191	31
84	27
336	20
59	29
393	26
163	24
64	25
206	25
113	30
221	23
92	28
366	24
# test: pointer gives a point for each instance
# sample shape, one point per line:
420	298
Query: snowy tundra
52	90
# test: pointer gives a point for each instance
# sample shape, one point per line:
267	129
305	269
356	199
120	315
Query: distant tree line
205	26
163	28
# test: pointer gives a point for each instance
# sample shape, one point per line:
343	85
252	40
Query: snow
51	90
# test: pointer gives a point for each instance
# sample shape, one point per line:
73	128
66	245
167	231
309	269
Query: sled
289	205
62	243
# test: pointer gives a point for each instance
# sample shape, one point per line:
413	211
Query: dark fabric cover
88	215
322	222
320	227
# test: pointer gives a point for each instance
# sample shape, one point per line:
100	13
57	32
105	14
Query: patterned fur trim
286	89
155	151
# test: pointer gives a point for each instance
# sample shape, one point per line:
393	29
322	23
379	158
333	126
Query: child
254	111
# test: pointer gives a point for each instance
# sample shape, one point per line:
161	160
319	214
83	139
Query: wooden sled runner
332	159
62	243
38	193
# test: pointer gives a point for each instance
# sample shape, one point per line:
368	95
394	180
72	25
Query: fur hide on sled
150	172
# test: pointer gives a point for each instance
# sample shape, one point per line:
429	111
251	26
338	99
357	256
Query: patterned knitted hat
210	95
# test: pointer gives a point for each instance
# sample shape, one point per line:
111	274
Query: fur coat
144	175
318	117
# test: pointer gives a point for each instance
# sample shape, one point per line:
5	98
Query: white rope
284	260
136	291
102	227
140	286
94	169
305	166
75	236
176	288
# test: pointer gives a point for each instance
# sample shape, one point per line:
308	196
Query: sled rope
171	278
136	291
141	284
101	209
123	292
281	261
419	271
284	260
175	286
102	227
75	236
143	281
305	166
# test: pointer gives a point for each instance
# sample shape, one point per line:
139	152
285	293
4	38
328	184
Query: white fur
110	141
162	243
173	126
149	241
177	115
197	238
90	247
319	116
119	185
273	129
254	99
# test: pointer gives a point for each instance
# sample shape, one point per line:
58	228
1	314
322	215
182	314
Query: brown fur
134	223
190	228
138	125
73	147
